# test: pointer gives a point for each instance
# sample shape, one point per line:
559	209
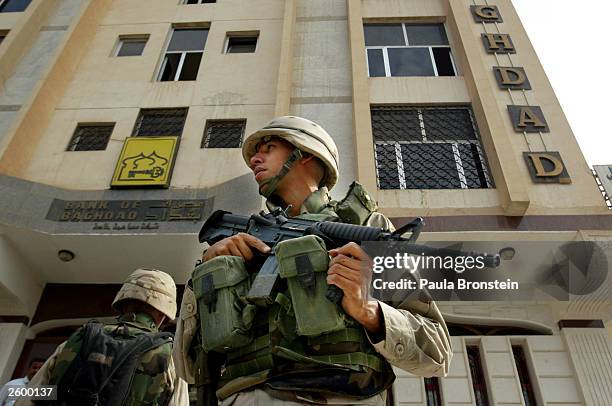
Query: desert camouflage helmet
151	286
305	135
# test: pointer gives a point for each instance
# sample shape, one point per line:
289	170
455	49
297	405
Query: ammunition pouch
357	206
304	262
220	286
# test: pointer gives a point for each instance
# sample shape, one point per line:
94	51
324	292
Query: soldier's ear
306	157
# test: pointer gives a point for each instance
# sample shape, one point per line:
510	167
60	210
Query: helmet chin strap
272	183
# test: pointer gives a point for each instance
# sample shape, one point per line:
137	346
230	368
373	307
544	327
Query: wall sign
486	14
546	167
146	162
498	43
529	119
126	210
511	78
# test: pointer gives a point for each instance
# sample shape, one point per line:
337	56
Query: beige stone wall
515	194
110	89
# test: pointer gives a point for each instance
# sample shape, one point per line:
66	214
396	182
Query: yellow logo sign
145	161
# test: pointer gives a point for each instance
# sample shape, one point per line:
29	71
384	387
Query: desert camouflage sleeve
415	338
186	328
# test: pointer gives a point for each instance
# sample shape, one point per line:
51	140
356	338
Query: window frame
71	147
424	141
407	45
3	3
243	34
143	111
199	2
213	121
182	53
130	38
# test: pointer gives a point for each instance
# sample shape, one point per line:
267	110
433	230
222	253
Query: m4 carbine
277	226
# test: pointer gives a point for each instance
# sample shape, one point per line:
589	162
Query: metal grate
428	148
160	122
602	189
90	137
223	134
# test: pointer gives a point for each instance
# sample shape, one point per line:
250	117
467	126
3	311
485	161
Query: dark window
131	46
408	50
198	1
11	6
432	392
376	63
427	148
184	54
223	133
478	380
160	122
241	45
523	373
91	137
2	36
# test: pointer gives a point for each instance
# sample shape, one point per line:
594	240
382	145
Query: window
523	373
131	45
478	380
183	56
3	34
223	134
432	392
408	50
427	148
160	122
241	43
11	6
197	1
91	137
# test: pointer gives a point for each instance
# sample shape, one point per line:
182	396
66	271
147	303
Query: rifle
277	226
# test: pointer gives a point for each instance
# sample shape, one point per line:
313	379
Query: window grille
160	122
183	55
13	6
478	381
428	148
223	134
523	373
432	392
408	50
90	137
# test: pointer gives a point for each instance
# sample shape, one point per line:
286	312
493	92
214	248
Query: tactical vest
103	370
301	342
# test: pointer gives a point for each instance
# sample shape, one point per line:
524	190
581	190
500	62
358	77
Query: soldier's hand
350	269
239	245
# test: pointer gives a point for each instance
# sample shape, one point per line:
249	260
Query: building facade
120	131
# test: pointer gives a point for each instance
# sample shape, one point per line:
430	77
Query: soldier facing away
128	362
280	353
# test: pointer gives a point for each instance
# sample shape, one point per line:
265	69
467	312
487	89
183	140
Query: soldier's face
270	158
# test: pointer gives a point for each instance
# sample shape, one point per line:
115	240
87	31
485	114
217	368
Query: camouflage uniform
416	339
154	380
415	336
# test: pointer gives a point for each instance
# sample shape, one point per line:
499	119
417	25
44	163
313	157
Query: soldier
295	163
128	362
